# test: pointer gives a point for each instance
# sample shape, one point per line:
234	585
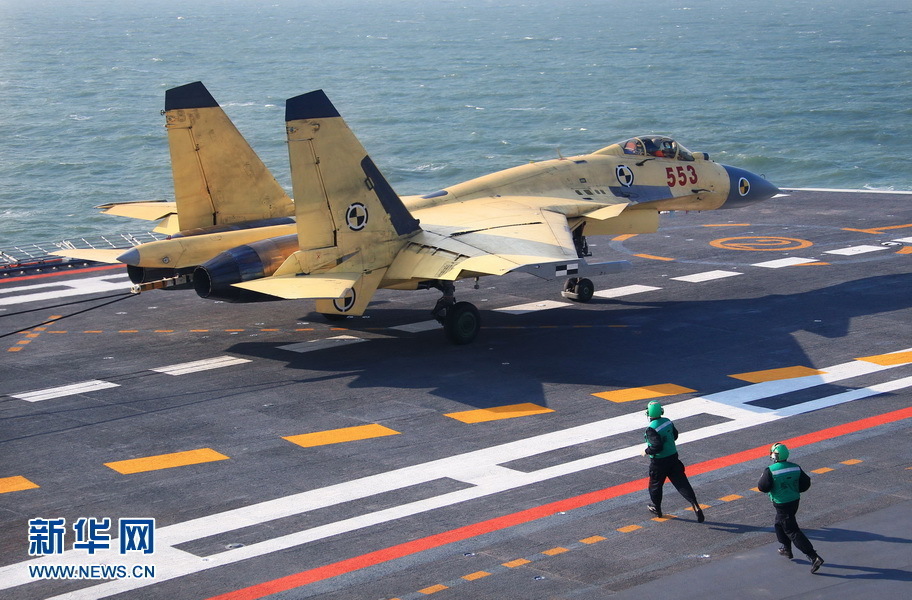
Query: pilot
668	149
784	481
664	463
632	147
652	149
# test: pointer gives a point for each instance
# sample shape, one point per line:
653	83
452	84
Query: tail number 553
680	175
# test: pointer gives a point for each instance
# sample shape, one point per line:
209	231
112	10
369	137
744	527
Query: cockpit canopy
657	146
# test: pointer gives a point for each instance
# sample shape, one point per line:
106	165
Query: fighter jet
353	234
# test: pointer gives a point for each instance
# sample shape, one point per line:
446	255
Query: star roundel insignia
356	216
744	186
346	302
624	175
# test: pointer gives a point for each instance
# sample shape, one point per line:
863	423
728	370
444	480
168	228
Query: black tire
462	323
584	290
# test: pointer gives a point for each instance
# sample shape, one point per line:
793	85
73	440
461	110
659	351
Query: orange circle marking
761	243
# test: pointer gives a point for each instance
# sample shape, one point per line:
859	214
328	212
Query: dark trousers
787	530
670	468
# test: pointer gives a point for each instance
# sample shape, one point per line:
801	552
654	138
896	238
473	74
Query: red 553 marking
680	175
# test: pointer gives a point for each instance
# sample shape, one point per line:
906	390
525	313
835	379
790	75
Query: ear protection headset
778	452
654	410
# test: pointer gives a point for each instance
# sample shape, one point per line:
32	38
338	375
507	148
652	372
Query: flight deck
282	455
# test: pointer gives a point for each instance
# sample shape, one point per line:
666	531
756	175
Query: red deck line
370	559
16	278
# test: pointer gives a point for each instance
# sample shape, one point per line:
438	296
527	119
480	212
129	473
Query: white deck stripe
627	290
322	344
856	250
521	309
785	262
418	327
201	365
65	390
706	276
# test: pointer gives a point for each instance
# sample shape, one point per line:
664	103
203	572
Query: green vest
665	429
785	482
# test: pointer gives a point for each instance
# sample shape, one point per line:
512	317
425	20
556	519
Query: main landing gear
461	321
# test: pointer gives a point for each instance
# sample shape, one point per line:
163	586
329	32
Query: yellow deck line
337	436
887	360
643	393
777	374
653	257
497	413
166	461
16	484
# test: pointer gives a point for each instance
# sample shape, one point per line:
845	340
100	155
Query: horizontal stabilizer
300	287
147	211
102	255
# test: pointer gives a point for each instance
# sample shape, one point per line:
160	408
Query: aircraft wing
102	255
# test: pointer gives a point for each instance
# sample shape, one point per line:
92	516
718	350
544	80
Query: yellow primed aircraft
352	234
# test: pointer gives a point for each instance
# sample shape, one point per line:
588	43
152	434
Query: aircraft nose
747	188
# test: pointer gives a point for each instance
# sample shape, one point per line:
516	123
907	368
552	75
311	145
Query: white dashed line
707	276
322	344
785	262
65	390
201	365
856	250
521	309
627	290
418	327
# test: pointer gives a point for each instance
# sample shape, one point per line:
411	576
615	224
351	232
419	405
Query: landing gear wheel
578	290
462	323
334	316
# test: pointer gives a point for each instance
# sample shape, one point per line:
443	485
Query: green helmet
654	410
779	452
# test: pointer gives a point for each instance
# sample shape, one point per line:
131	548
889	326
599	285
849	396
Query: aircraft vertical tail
346	204
351	224
218	178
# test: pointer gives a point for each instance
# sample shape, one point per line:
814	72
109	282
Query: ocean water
811	94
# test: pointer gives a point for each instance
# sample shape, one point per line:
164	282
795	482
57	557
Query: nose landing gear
578	289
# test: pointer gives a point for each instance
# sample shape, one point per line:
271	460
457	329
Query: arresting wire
117	298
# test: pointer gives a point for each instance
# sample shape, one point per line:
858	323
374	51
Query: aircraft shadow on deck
696	344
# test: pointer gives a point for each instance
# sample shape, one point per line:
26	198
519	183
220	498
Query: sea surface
816	93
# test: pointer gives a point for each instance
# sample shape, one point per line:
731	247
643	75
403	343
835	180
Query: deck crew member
784	481
664	463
